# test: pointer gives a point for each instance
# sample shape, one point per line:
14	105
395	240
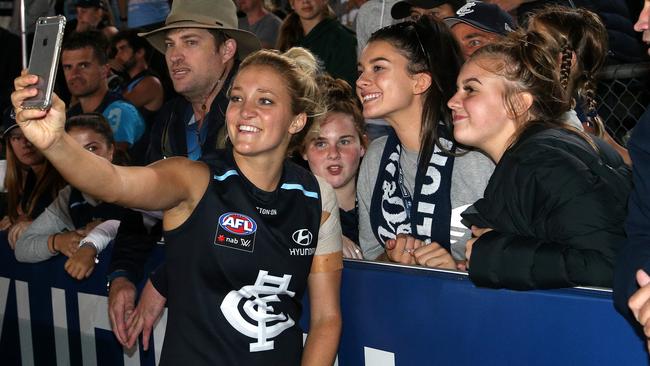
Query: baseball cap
402	9
8	121
89	4
486	17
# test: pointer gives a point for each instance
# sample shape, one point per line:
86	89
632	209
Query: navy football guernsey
237	270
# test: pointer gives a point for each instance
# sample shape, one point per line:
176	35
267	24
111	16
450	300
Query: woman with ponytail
414	183
579	38
552	215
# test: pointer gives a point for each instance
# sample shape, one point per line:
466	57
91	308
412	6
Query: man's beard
129	65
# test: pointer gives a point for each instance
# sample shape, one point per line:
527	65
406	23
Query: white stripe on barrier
93	313
159	335
377	357
24	324
60	317
4	293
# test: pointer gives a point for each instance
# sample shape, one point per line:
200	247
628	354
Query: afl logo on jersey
237	223
302	237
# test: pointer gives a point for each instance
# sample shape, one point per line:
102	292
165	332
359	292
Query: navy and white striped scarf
429	216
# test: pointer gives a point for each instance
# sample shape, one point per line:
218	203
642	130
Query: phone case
44	59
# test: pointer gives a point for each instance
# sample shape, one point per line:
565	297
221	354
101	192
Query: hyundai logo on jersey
237	223
302	237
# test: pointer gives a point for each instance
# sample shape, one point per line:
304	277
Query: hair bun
305	60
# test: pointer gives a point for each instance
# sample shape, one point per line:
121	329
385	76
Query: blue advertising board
392	316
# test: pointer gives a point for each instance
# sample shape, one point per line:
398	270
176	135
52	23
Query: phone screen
44	59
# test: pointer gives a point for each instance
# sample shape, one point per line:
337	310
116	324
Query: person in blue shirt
85	67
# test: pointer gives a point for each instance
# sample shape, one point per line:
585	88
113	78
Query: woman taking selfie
231	219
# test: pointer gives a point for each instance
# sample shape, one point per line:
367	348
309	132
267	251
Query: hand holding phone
44	60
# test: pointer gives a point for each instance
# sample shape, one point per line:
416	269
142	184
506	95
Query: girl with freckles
414	183
552	214
334	148
230	218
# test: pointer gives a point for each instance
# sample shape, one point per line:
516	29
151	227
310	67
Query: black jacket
557	209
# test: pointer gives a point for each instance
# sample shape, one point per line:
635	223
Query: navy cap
90	4
402	9
486	17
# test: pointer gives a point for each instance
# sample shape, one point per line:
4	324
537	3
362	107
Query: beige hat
206	14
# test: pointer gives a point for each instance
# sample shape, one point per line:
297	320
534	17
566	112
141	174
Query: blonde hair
300	69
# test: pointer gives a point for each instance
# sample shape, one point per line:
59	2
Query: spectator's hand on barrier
401	249
16	231
121	301
639	303
68	242
42	128
433	255
476	233
461	266
350	249
146	314
5	223
82	262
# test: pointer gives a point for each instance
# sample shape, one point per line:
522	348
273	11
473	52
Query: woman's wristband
53	250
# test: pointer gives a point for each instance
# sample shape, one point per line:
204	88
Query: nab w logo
302	237
237	223
254	300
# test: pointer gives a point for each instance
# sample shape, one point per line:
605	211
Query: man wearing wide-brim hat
202	48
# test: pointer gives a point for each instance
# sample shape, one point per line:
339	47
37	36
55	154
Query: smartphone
44	59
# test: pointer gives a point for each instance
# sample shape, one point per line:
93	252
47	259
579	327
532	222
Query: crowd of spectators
459	135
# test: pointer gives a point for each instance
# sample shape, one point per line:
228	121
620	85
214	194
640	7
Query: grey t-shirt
470	175
266	29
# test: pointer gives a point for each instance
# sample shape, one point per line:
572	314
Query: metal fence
622	97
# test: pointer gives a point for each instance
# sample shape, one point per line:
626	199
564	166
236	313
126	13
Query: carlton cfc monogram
259	313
